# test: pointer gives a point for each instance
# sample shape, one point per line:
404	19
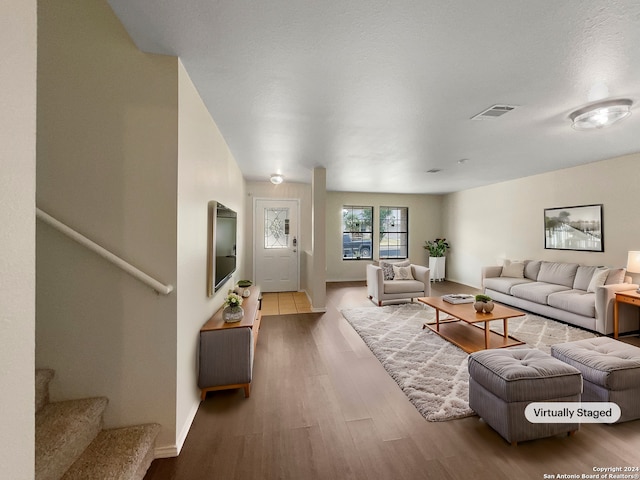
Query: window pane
357	232
394	232
276	232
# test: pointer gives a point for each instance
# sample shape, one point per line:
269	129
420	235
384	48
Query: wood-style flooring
322	407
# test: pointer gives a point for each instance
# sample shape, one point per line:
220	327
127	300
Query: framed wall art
574	228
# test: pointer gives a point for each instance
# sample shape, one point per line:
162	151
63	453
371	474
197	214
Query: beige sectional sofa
577	294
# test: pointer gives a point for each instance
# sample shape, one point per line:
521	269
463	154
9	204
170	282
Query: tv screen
224	244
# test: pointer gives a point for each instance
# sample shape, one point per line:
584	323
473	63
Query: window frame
401	234
360	232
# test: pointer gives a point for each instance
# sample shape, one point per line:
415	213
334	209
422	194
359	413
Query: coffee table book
457	298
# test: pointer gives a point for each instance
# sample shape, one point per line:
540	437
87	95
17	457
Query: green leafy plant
483	298
437	247
232	300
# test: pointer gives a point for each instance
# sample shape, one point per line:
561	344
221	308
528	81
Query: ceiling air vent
434	170
494	112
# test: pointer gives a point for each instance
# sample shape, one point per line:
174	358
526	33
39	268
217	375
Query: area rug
431	371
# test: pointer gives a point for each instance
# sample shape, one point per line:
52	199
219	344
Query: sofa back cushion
512	269
615	276
532	269
584	274
558	273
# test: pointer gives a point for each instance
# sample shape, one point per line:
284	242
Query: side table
631	297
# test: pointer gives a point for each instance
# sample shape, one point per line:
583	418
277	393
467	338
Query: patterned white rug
431	371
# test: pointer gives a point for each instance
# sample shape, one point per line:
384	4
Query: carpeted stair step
117	454
43	377
63	431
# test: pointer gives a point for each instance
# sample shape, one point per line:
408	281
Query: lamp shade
633	262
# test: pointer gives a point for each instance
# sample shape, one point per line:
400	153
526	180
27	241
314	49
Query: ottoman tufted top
603	361
523	374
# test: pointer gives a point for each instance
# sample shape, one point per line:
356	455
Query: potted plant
484	303
232	312
437	249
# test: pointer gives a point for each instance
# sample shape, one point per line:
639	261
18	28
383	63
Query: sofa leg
379	303
370	297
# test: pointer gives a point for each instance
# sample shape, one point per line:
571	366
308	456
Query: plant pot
486	307
436	268
232	314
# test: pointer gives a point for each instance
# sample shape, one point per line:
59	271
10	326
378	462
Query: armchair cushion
402	273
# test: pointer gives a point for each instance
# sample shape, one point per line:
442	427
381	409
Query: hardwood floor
322	407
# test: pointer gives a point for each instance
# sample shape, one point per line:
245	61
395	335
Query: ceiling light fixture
601	114
276	178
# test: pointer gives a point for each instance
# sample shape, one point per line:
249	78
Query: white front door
275	245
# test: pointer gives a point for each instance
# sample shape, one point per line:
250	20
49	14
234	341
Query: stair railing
104	253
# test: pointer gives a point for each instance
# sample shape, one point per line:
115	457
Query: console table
227	349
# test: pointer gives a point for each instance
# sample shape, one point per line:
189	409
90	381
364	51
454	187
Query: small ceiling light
601	114
277	179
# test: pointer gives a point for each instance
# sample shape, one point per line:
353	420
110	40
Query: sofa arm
490	271
422	274
375	281
605	297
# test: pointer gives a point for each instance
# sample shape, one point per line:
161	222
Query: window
394	232
357	232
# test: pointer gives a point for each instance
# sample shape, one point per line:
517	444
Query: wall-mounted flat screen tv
222	246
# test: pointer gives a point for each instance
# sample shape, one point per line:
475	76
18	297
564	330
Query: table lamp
633	264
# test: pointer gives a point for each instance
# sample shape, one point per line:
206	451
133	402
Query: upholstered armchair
380	290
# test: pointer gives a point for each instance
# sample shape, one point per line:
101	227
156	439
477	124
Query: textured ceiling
380	92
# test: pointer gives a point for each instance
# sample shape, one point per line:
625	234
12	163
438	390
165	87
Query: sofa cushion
584	274
574	301
504	284
558	273
536	291
402	273
406	286
512	269
532	269
387	268
616	276
598	279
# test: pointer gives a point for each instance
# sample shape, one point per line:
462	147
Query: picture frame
578	228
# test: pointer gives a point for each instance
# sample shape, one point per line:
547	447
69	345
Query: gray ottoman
610	370
504	381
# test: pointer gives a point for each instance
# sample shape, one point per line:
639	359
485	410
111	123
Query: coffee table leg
504	326
437	320
486	335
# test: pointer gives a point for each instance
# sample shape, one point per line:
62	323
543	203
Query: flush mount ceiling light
601	114
276	178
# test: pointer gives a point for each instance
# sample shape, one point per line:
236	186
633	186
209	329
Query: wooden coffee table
463	330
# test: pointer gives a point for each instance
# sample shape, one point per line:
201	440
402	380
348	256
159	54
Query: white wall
506	220
17	236
425	222
107	166
206	171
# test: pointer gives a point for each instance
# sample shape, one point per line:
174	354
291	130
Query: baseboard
174	450
166	452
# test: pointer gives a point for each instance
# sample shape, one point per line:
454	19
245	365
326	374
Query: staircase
72	445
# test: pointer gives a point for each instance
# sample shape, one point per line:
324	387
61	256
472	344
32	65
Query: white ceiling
379	92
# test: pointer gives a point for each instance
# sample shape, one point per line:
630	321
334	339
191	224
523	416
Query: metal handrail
106	254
